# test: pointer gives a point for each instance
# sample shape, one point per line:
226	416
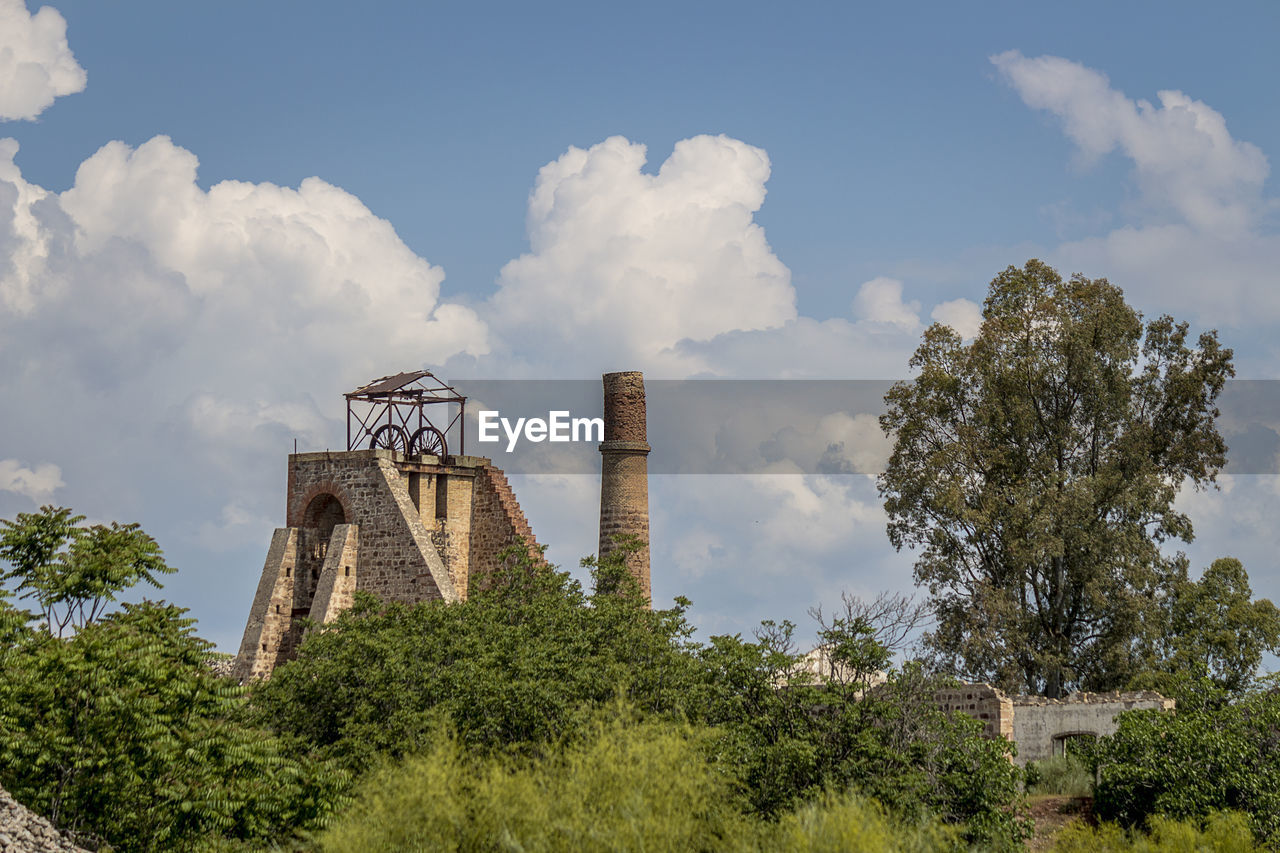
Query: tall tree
1036	468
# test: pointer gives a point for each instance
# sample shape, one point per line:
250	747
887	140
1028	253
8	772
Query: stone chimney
624	473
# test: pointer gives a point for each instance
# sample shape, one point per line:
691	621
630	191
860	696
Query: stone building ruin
624	475
1044	728
399	515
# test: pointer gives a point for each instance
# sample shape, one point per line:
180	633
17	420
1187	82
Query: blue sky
221	216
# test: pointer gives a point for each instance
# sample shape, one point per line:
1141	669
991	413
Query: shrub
1063	775
123	733
1191	764
624	786
1220	832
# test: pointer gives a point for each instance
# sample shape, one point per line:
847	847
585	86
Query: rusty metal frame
401	400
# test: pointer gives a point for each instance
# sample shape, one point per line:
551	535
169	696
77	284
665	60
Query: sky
217	218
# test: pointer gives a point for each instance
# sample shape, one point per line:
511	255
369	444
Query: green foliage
1213	638
840	822
1036	469
891	743
1062	775
1220	832
623	786
518	669
1195	762
122	732
74	572
508	669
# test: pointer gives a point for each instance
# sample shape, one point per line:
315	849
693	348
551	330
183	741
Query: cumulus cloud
36	65
880	301
37	483
623	265
1201	247
963	315
231	288
1184	157
186	336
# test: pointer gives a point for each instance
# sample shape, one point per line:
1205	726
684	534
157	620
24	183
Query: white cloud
880	301
36	65
806	348
1184	157
962	315
1203	248
37	483
186	336
624	265
242	291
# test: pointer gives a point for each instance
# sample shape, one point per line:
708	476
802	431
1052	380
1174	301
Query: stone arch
299	505
1060	744
324	512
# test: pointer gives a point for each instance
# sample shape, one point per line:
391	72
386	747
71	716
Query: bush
849	821
1220	832
123	733
626	785
1063	775
622	787
508	669
1191	764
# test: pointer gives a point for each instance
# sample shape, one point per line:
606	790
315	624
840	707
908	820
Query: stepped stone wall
406	529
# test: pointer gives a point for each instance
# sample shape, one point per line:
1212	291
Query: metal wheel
428	441
389	437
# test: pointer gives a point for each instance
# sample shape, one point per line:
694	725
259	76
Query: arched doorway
324	513
1070	743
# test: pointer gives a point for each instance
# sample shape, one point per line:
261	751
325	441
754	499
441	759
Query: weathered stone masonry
1042	728
404	528
624	473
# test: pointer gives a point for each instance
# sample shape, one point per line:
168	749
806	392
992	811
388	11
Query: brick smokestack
624	472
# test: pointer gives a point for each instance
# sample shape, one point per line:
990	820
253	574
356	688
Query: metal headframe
391	412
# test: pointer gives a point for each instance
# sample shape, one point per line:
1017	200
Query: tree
122	733
1212	636
525	666
74	572
510	668
1194	763
1036	470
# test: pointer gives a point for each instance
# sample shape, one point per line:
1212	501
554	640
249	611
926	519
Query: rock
23	831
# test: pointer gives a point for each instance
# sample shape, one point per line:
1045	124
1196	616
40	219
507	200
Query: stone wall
1042	727
405	529
271	614
397	558
496	522
338	578
982	702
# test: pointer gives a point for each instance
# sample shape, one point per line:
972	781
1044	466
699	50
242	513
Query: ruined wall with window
1042	728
